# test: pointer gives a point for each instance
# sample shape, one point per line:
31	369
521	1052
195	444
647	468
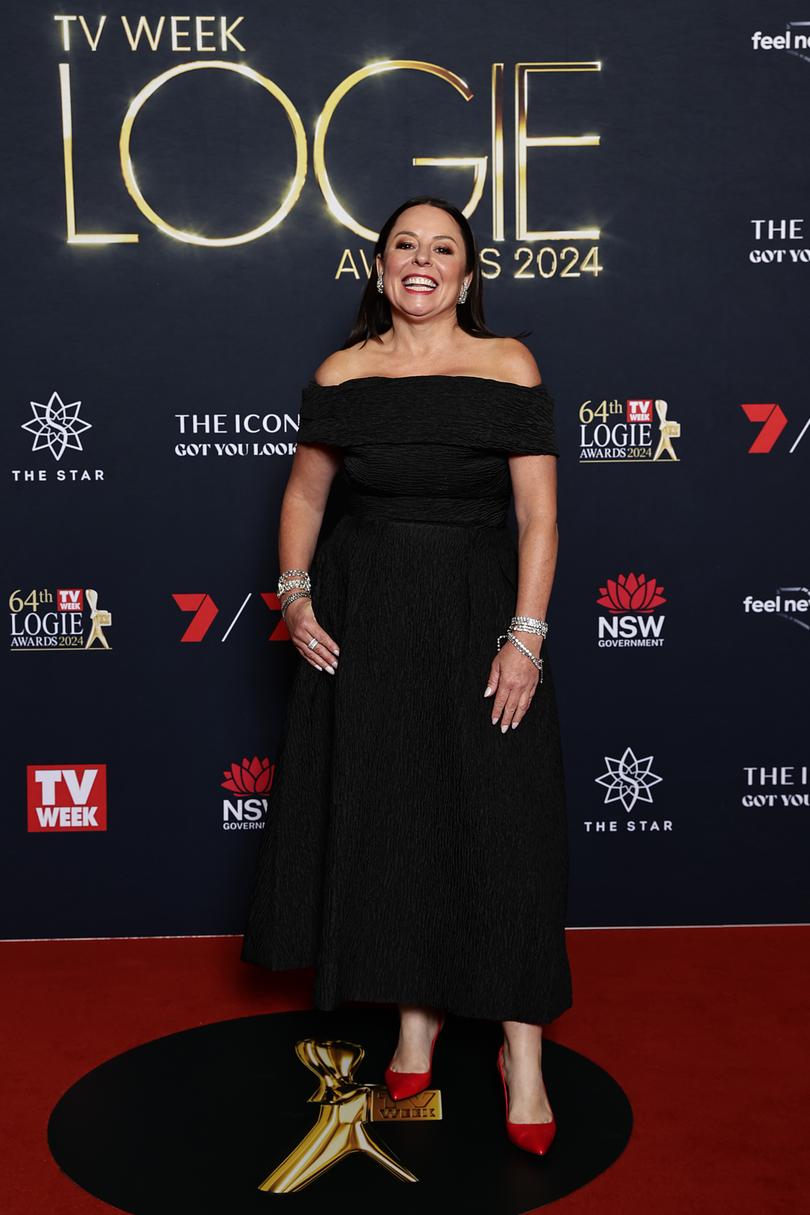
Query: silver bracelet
529	624
292	579
295	595
518	644
301	586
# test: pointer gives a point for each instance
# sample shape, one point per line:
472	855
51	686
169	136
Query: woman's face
425	247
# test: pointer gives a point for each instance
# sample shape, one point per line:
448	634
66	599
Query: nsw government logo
251	781
629	780
67	797
631	601
57	430
630	431
68	618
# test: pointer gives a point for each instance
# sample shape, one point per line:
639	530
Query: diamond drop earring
380	283
463	293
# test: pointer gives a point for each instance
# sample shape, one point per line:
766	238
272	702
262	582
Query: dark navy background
700	134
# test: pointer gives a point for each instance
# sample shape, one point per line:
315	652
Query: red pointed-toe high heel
408	1084
533	1137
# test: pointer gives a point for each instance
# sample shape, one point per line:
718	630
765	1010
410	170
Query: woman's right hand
302	627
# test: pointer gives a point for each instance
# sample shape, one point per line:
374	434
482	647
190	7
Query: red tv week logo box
640	411
70	600
67	798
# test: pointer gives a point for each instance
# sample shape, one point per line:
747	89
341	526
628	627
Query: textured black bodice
429	448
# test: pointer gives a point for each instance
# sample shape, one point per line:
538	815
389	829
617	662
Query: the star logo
628	779
56	426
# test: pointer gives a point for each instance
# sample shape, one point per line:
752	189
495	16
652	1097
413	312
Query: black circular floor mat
197	1121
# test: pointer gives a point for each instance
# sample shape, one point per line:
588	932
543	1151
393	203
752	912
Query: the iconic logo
790	602
252	780
346	1107
56	428
67	619
67	797
204	612
773	421
235	435
629	780
620	432
770	237
784	785
631	600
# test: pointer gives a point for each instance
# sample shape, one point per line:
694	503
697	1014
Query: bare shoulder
337	367
333	369
516	363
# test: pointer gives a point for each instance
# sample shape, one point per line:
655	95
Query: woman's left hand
513	679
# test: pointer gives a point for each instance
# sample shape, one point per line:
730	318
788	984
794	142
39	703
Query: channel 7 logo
204	613
772	420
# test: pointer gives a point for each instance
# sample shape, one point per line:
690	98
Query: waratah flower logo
631	593
251	776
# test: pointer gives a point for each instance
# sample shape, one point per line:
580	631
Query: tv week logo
64	798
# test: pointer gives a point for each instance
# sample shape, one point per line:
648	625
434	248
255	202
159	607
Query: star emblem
56	426
628	780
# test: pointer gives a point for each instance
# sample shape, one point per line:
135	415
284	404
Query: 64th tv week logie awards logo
622	432
68	618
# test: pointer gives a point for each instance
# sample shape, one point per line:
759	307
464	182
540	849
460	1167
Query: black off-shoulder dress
412	852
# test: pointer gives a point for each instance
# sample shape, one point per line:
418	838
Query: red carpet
705	1029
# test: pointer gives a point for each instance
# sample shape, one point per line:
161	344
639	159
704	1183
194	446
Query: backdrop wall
192	203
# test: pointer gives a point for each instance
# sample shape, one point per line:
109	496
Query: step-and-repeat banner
192	204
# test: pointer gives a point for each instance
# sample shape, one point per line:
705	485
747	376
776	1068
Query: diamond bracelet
291	579
295	595
529	624
524	649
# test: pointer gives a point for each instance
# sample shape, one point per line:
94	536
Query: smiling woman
416	842
422	282
427	253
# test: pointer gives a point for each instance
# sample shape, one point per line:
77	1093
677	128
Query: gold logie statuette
100	621
668	431
346	1107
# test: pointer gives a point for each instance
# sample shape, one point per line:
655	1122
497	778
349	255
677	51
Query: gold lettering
477	163
143	28
524	141
65	30
201	33
497	151
177	33
227	36
490	264
74	237
88	35
347	265
194	238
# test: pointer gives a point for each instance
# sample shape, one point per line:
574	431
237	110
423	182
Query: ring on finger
311	644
